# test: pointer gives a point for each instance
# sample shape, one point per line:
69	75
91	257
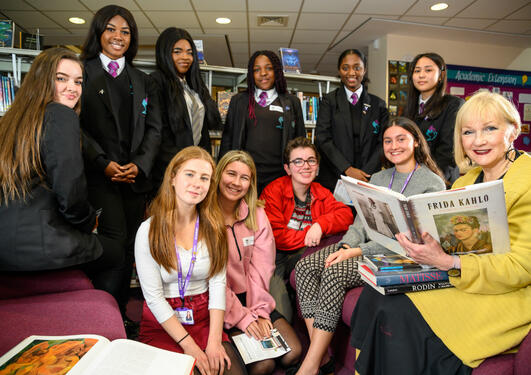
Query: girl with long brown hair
181	255
45	219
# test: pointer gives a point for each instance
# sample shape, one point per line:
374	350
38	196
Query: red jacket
333	216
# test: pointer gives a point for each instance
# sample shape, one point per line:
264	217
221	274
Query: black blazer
177	132
439	132
52	228
101	130
334	138
234	131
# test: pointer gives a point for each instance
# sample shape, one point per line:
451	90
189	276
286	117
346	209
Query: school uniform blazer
334	137
234	131
101	130
177	132
52	227
439	132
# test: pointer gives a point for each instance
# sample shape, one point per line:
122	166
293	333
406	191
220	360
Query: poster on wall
463	81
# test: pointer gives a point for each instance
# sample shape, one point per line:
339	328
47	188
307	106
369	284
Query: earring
508	154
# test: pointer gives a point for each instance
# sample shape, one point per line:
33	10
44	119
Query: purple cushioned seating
23	284
67	313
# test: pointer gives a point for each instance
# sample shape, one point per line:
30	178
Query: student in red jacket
301	213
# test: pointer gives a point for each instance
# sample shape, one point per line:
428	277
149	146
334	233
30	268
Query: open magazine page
380	210
125	357
253	350
470	219
52	354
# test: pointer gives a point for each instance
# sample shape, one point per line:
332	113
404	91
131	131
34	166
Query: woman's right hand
358	174
254	330
201	360
341	255
112	169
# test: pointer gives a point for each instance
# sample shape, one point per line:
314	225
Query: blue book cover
290	60
402	277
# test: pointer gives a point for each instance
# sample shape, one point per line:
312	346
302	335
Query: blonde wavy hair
251	197
482	105
164	210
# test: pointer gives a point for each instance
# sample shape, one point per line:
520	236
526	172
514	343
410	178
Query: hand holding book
430	252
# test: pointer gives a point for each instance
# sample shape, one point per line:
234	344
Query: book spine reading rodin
418	287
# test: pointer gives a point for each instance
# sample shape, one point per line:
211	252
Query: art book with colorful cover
396	277
91	355
224	98
471	219
407	288
290	60
7	33
391	262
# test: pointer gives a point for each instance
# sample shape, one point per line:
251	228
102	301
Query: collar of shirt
422	100
105	60
271	95
349	93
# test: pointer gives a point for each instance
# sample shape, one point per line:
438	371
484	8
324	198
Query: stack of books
395	274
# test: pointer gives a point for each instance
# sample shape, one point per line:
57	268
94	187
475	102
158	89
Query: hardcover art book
472	219
396	277
290	60
91	355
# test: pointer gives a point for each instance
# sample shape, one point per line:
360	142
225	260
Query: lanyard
407	179
184	283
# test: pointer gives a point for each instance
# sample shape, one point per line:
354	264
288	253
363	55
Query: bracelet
185	336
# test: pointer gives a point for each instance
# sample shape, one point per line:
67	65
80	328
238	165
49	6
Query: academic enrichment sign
484	76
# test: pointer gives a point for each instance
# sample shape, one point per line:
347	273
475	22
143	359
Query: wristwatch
455	271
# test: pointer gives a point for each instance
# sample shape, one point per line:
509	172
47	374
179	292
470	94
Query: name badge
248	241
276	108
185	315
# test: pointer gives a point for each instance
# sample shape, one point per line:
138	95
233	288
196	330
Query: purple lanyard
407	179
184	283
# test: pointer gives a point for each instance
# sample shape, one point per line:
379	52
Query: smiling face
68	81
183	56
485	141
116	38
352	71
235	181
399	147
426	76
305	174
191	182
263	73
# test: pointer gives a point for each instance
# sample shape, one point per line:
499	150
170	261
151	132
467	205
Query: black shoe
328	368
132	329
292	370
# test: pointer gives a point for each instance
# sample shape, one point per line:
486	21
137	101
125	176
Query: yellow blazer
489	310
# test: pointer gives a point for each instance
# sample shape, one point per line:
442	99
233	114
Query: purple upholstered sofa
505	364
54	303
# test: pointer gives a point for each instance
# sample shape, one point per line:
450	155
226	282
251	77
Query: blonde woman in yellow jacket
451	331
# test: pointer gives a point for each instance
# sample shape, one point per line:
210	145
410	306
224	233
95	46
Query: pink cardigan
250	267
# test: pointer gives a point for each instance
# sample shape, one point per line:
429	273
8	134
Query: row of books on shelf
7	92
310	107
467	220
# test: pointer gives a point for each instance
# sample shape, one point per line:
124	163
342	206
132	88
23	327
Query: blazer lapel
343	113
98	84
140	103
366	126
287	119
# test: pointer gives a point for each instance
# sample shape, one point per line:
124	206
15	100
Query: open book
253	350
92	355
472	219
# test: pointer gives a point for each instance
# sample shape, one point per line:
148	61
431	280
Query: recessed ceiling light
223	20
77	20
439	6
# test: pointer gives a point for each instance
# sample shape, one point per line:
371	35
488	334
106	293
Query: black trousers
122	213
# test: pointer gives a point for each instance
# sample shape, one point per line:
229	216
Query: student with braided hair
264	118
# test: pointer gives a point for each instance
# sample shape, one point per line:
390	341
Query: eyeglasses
312	162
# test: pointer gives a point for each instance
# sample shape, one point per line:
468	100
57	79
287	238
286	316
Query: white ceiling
319	29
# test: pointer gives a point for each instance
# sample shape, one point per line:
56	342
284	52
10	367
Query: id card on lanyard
184	314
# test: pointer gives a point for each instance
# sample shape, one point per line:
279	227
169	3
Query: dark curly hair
280	80
300	142
92	46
